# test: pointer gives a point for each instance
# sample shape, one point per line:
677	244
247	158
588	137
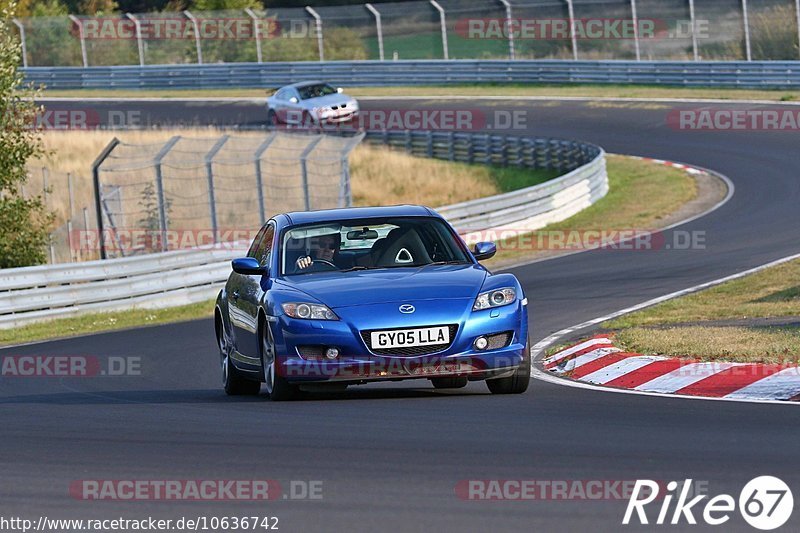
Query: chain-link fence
190	192
443	29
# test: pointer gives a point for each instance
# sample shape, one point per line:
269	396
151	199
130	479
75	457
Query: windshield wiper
451	262
358	267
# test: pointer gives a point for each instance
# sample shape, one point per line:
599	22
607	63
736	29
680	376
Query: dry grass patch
734	344
774	292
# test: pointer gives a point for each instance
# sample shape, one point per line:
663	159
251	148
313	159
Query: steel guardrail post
256	32
797	17
212	200
304	170
379	28
635	19
443	24
572	36
746	24
162	208
22	40
695	52
509	21
82	38
259	180
97	201
139	44
318	23
196	27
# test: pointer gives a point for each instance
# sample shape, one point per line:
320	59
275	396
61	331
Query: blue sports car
350	296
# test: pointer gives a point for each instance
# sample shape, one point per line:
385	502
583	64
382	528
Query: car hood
331	99
367	287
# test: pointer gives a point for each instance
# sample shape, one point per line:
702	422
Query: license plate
402	338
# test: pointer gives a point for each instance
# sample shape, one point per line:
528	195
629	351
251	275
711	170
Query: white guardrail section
168	279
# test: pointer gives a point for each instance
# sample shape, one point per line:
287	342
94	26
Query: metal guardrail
584	183
180	277
745	74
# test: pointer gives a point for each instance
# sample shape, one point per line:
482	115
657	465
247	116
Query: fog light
481	343
331	353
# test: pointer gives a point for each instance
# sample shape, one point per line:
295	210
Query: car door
293	105
244	297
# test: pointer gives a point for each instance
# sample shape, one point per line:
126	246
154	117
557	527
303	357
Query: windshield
315	91
369	244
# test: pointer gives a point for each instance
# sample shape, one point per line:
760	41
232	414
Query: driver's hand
304	262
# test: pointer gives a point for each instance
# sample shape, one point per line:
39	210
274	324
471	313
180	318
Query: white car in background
310	103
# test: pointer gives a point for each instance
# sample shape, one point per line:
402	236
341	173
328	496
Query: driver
324	248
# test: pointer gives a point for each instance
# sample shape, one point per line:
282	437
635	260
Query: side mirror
339	90
248	266
293	99
484	250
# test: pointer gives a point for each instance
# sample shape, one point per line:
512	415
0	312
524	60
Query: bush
24	223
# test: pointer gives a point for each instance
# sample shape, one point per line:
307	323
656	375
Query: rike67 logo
765	503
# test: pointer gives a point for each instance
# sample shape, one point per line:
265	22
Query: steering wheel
324	262
317	265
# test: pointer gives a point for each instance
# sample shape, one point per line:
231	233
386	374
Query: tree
24	222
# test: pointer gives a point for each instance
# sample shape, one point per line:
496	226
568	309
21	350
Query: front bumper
356	363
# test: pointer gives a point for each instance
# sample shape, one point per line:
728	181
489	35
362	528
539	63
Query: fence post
509	19
256	32
379	28
443	23
96	180
345	191
139	43
635	18
259	180
162	207
22	39
212	200
45	175
572	36
82	37
71	197
304	170
86	229
695	53
318	22
746	23
797	15
196	27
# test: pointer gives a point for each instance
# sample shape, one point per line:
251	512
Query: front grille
499	340
411	350
311	351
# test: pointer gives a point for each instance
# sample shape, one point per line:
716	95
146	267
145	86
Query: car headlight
308	311
495	298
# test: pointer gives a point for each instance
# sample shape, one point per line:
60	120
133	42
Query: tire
233	381
272	118
449	383
278	387
516	383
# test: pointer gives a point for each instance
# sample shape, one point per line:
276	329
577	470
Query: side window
256	242
264	249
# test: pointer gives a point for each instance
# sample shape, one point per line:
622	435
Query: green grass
98	322
474	90
690	326
774	292
640	195
512	178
